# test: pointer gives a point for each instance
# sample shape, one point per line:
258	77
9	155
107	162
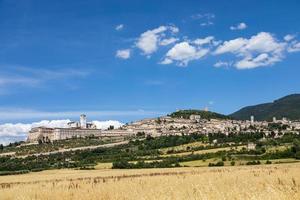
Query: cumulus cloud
294	46
240	26
183	52
106	124
289	37
231	46
14	132
262	49
149	40
168	41
119	27
123	54
203	41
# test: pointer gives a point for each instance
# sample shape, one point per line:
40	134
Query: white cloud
173	29
123	54
203	41
182	53
262	49
205	19
14	132
209	23
232	46
168	41
105	124
222	64
149	40
119	27
240	26
264	42
294	46
289	37
205	15
166	61
263	59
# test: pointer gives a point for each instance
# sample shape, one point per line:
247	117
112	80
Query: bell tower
83	121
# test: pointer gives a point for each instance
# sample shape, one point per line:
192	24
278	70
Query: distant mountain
204	114
288	106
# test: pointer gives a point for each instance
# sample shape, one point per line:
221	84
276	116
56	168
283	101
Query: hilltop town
184	122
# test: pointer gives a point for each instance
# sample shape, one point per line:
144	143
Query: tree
140	134
296	145
1	147
122	164
158	120
223	158
40	141
297	155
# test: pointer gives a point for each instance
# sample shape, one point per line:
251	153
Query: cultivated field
268	182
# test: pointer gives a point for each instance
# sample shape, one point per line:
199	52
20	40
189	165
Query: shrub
297	155
268	162
218	164
4	173
253	162
122	164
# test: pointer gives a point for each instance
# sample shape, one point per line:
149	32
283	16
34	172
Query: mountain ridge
287	106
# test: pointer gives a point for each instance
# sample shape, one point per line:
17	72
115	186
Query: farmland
244	182
160	152
167	167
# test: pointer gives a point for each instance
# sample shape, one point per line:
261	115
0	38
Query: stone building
75	129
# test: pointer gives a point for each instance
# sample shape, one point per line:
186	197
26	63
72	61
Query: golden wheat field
268	182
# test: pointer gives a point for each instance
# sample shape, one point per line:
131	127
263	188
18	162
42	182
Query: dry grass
204	163
103	166
249	182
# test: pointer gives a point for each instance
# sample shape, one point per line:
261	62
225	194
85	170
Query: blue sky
126	60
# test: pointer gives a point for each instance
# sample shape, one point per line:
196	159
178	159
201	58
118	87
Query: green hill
288	106
204	114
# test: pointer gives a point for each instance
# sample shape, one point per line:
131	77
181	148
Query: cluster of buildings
177	126
78	129
165	125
